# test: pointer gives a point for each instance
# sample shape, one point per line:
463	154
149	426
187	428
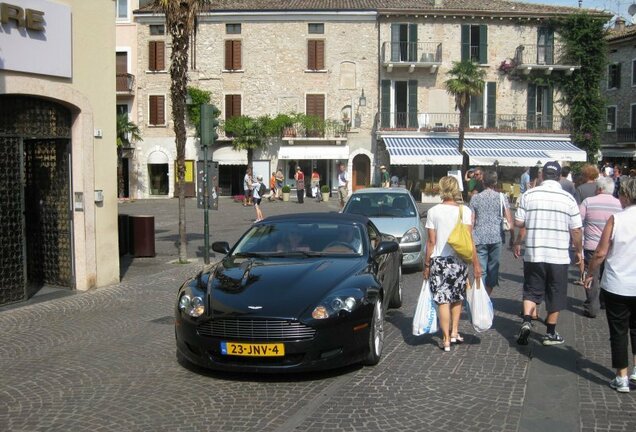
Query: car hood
395	226
281	288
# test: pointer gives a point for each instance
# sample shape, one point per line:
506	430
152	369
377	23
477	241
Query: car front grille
256	330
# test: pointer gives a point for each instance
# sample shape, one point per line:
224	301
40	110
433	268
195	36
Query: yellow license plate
252	350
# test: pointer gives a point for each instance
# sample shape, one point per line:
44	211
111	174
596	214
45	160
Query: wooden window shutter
315	105
385	107
465	43
152	110
412	104
320	54
483	44
491	104
236	55
236	105
121	65
160	55
152	59
161	108
311	54
412	42
228	106
228	55
532	106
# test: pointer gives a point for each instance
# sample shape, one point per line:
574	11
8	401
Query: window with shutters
474	43
611	118
614	76
540	107
233	55
403	42
315	54
399	104
232	105
157	110
315	107
156	56
482	108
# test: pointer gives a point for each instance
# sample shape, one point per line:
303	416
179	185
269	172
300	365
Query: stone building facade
619	141
396	56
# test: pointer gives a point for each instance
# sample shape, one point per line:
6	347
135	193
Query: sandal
445	346
457	339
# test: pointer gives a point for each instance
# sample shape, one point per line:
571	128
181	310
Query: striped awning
422	151
482	151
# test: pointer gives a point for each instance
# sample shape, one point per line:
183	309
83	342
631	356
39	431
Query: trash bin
142	235
122	234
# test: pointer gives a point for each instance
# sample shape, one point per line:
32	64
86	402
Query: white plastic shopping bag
480	306
425	318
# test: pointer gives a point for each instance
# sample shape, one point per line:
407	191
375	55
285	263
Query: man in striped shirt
547	216
595	211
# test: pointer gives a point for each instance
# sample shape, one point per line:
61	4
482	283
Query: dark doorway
125	173
401	103
361	172
231	179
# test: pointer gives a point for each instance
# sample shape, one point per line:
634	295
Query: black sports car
297	292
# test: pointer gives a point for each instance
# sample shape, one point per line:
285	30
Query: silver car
394	212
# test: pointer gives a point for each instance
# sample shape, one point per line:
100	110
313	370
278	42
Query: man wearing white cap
385	179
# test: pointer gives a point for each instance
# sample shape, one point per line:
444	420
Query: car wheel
376	335
396	298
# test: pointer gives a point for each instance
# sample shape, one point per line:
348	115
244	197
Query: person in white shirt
343	184
618	283
550	217
256	196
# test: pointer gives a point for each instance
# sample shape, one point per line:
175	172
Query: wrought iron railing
542	55
449	122
412	52
125	82
624	135
327	129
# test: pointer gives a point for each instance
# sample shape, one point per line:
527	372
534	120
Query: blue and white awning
422	151
482	151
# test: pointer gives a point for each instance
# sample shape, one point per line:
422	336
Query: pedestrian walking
524	180
476	183
300	184
272	187
446	272
385	178
315	184
258	190
595	212
343	184
247	187
587	189
487	222
567	185
618	285
547	217
280	178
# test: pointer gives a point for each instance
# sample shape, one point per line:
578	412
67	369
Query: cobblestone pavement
104	360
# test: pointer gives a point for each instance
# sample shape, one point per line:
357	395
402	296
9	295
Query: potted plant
324	190
286	191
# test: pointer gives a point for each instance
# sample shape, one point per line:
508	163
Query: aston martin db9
297	292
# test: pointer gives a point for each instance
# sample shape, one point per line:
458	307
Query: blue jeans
489	255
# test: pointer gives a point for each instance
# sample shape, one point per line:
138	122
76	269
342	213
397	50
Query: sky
614	6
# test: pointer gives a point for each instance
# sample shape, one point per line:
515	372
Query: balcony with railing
125	83
478	122
626	135
321	130
544	57
412	55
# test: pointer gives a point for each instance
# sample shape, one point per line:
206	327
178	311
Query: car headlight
191	304
333	304
411	236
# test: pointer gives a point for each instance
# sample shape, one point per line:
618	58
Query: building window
540	107
315	105
474	43
316	28
315	54
122	109
611	118
632	116
633	73
156	109
232	55
545	46
614	76
232	106
232	28
122	9
157	30
156	56
403	42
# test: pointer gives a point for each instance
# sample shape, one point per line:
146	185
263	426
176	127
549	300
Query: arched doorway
361	172
158	173
35	192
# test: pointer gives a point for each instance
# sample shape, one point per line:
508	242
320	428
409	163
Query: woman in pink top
616	248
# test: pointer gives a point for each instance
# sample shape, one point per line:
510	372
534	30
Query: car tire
396	297
376	335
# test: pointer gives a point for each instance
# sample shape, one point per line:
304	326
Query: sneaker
632	377
524	333
620	384
552	339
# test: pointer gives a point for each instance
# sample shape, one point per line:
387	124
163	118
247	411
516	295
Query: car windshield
374	205
301	239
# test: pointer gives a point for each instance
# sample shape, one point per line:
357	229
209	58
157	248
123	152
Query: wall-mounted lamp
188	100
363	100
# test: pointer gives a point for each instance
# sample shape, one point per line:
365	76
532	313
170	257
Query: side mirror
386	247
221	247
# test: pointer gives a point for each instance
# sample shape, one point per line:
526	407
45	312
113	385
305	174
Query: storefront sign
35	37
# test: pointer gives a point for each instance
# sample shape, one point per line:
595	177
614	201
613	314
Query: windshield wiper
250	255
297	253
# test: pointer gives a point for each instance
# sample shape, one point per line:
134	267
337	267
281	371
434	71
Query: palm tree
180	22
127	133
248	133
466	80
